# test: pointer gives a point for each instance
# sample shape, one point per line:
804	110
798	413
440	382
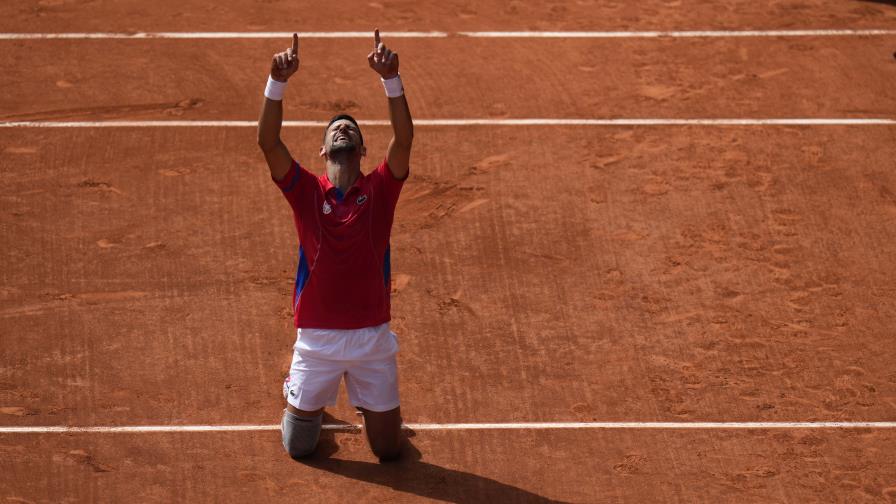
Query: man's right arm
283	65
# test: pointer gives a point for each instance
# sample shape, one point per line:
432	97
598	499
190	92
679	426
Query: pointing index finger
295	43
376	38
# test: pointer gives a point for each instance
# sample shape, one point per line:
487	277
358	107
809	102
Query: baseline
462	426
470	122
440	34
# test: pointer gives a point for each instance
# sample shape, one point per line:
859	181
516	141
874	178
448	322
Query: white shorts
366	357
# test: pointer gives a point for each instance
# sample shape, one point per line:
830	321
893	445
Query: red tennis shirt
343	279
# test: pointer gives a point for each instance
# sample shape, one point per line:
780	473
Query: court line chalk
216	35
441	34
462	426
468	122
676	34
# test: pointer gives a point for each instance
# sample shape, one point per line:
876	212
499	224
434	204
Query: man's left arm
385	63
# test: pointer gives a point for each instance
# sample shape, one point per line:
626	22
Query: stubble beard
342	149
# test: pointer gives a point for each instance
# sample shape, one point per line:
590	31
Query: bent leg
301	431
372	386
311	385
383	430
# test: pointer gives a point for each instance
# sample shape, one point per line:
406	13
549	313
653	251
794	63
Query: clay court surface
541	274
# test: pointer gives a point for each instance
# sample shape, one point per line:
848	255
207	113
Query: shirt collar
330	188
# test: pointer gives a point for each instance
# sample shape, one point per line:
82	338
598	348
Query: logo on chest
327	209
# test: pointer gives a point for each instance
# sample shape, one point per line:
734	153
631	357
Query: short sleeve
297	185
390	186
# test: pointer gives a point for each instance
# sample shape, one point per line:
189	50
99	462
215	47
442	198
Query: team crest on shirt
361	199
327	208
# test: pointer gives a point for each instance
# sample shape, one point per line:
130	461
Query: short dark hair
348	118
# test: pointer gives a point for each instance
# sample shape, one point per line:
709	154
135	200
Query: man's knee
300	434
383	432
387	454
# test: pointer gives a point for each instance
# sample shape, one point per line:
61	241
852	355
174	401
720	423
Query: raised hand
286	63
381	59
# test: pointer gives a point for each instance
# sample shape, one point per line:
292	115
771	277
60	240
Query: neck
343	172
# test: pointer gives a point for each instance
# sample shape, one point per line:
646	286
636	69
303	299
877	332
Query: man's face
342	137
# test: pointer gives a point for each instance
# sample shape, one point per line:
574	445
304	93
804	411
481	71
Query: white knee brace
300	434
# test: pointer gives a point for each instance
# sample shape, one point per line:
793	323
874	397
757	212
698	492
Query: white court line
440	34
467	122
675	34
463	426
217	35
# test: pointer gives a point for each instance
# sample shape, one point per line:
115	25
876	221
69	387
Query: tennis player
341	300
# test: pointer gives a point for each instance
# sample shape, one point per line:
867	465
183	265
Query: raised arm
385	63
283	66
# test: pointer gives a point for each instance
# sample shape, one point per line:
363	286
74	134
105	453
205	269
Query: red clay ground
447	15
768	301
158	291
477	466
677	78
541	274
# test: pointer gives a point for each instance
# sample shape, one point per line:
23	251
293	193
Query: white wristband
274	89
393	86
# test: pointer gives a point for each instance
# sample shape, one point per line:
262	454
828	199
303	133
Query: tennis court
633	262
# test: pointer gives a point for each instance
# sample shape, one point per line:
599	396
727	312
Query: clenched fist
286	63
381	59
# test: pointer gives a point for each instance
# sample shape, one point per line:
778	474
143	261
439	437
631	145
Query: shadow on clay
411	475
891	3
